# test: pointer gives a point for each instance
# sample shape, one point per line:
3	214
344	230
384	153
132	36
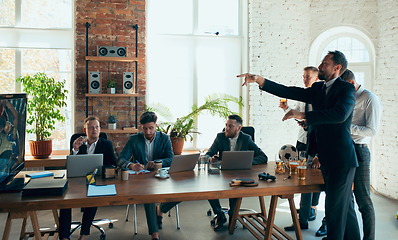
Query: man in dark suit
329	126
91	144
232	140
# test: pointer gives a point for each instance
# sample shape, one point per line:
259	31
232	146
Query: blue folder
103	190
40	174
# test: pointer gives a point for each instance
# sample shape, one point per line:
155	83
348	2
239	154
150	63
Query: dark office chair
79	224
250	131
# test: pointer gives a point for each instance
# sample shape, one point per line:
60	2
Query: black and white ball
287	151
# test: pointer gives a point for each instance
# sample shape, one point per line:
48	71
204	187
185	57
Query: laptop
79	165
237	160
182	163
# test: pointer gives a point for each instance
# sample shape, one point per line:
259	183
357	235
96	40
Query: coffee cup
158	165
125	174
162	172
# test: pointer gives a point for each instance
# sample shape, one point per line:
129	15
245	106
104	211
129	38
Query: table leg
295	219
271	217
234	216
262	207
35	224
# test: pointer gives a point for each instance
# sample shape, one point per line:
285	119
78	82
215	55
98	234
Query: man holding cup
90	144
232	139
308	201
144	149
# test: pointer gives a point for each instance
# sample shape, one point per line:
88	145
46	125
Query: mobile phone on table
59	175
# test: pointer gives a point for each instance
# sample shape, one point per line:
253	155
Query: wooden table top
182	186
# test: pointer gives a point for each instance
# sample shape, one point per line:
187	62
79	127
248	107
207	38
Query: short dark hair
311	68
148	117
339	58
237	118
90	118
348	75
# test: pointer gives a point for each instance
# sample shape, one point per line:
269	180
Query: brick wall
384	163
111	25
280	37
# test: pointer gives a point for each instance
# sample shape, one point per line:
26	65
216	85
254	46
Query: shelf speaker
95	82
109	51
128	80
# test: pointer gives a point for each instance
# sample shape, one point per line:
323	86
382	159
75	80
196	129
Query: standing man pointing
329	122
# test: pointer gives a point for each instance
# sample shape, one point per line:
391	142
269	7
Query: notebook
182	163
237	160
79	165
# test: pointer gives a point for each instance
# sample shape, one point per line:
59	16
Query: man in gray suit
232	140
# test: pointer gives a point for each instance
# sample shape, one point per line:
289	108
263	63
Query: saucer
157	175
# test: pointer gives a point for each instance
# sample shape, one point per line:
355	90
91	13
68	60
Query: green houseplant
112	120
111	86
183	128
46	97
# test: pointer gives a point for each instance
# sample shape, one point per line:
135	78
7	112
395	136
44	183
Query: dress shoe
312	214
303	226
322	231
220	222
160	222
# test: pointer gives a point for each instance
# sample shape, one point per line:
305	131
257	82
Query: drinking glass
279	165
302	157
202	160
301	172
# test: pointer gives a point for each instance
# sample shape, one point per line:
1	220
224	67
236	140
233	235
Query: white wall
280	36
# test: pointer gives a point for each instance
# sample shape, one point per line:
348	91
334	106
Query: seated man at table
142	149
90	145
232	140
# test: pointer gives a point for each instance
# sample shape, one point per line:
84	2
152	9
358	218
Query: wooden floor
195	222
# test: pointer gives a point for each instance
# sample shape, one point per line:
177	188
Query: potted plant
46	97
111	86
112	120
183	128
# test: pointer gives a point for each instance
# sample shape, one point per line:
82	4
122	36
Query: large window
355	45
38	36
194	49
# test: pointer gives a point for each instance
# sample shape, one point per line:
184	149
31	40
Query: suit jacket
244	143
103	146
329	121
135	150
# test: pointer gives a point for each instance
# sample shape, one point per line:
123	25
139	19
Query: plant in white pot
112	120
111	86
46	97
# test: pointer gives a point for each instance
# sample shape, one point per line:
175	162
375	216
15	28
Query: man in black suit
90	145
329	126
232	140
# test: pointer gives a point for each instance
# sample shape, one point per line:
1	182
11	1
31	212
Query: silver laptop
237	160
182	163
79	165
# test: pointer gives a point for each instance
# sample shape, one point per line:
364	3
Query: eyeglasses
92	128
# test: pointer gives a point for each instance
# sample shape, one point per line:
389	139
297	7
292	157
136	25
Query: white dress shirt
90	148
366	119
149	145
232	143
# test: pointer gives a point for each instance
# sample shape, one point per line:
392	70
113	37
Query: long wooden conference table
182	186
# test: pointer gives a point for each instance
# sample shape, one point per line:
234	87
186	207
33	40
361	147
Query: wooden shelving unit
119	130
111	95
134	60
112	59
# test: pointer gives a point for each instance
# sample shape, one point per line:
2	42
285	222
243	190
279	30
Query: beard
321	76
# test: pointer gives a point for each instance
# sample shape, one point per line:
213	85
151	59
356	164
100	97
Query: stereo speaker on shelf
128	79
95	82
109	51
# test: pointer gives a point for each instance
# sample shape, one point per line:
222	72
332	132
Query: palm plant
184	127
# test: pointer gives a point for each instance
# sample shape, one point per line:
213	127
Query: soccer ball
287	151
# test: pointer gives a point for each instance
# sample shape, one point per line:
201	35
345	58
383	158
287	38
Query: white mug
162	172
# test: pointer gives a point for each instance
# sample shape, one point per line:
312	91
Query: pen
95	172
138	163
